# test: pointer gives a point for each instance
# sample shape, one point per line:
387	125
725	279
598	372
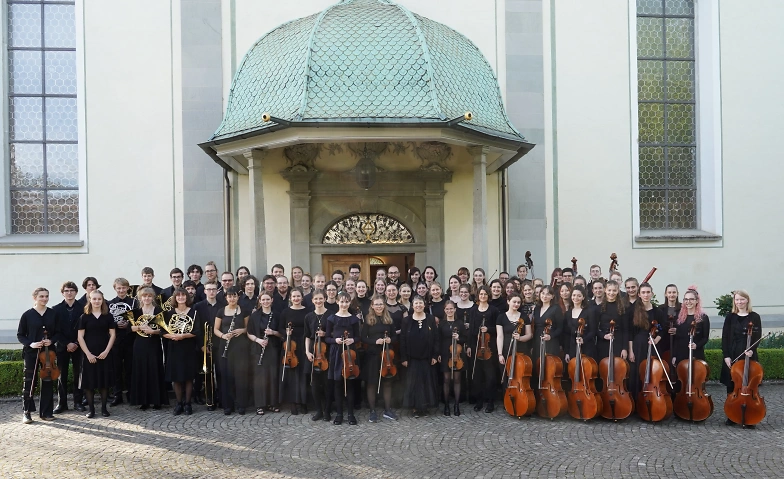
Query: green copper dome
364	62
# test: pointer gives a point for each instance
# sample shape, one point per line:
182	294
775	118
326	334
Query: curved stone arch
396	211
339	233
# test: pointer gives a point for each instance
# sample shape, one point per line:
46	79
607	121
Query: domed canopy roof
368	62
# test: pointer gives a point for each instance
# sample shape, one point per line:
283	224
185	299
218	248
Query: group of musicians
242	343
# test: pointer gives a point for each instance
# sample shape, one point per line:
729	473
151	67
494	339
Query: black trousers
47	387
63	360
322	394
122	355
484	384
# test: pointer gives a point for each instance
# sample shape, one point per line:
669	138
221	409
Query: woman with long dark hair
181	367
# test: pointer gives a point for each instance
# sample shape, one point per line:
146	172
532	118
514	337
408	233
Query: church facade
321	132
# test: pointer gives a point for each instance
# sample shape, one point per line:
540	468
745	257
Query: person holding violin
506	330
644	313
580	309
451	328
34	323
378	331
691	313
294	387
68	313
265	339
338	324
733	336
613	308
315	333
481	345
418	352
96	338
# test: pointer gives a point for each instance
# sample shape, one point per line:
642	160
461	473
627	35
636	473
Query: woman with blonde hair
96	338
378	331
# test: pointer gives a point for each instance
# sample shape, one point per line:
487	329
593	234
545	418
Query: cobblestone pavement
155	444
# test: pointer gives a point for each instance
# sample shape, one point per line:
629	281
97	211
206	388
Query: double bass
744	405
584	400
519	398
616	401
613	263
654	402
693	403
551	399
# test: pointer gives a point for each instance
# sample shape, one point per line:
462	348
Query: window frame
41	243
708	127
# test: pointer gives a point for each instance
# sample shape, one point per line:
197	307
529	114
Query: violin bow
653	343
749	348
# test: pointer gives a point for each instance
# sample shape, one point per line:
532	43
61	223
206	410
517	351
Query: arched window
368	228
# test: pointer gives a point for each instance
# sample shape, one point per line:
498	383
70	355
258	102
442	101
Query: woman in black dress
506	331
418	352
450	327
32	325
482	319
437	301
294	387
733	336
337	324
498	296
147	384
362	299
580	309
331	302
613	308
691	313
546	308
183	331
230	326
316	326
378	330
671	308
429	275
264	337
404	299
644	313
96	335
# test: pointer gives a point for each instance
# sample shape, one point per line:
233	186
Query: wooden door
332	262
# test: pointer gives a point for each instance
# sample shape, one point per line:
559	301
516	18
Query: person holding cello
378	330
613	308
734	337
339	325
33	325
453	333
691	313
580	309
644	313
507	331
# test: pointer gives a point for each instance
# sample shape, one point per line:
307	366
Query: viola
584	400
320	362
289	357
616	401
388	368
455	354
693	403
48	359
519	399
744	405
654	402
550	396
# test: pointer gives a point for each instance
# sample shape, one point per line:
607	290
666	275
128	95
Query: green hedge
11	378
772	361
10	355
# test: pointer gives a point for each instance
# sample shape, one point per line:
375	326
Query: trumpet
231	330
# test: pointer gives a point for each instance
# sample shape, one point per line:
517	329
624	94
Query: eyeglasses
689	299
210	289
210	270
227	281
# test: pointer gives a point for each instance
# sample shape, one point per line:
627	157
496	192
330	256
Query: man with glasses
393	276
226	282
67	346
122	351
354	271
280	299
176	276
205	312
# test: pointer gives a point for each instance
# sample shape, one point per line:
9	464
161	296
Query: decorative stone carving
304	154
373	148
433	155
368	228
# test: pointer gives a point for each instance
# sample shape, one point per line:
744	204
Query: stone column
479	154
258	252
434	177
299	178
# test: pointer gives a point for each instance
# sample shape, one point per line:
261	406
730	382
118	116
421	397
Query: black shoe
116	401
241	411
178	409
319	415
490	407
198	400
26	418
327	418
90	414
156	406
457	409
84	401
294	410
227	411
303	408
338	420
212	408
79	407
144	407
60	409
415	413
188	409
352	420
105	412
111	397
446	409
729	422
478	407
750	426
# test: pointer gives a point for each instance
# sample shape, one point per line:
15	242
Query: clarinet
264	348
231	328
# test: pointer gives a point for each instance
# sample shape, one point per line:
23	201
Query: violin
693	403
519	399
289	357
584	400
455	354
48	359
349	356
320	362
483	350
654	402
613	263
744	405
388	368
551	399
616	401
574	265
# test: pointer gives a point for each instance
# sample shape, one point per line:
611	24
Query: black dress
294	387
670	315
500	304
419	346
553	346
437	309
336	325
589	333
640	347
235	375
372	364
606	313
98	375
509	328
147	383
266	377
701	336
733	341
182	363
445	342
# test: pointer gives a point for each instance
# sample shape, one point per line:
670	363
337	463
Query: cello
616	401
693	403
584	400
744	405
49	370
519	398
551	399
388	368
654	402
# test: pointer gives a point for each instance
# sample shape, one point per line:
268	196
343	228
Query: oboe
264	348
231	329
